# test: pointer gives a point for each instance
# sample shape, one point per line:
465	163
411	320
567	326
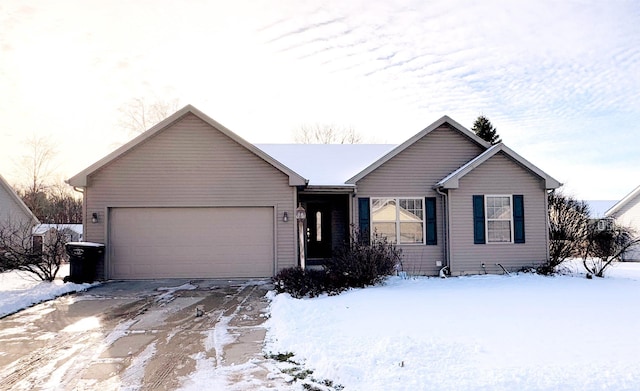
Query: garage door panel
191	242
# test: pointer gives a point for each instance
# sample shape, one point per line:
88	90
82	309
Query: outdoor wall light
94	217
301	214
285	217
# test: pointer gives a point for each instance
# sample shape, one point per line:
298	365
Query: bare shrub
605	245
17	251
568	228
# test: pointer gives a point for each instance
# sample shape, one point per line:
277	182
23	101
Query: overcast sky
560	80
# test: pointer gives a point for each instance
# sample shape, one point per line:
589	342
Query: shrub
356	264
18	253
568	222
359	264
299	283
605	246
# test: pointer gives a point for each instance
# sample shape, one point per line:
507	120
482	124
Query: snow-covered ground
19	290
520	332
523	332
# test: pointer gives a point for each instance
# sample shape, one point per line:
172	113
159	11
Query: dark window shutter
518	219
478	219
364	219
430	220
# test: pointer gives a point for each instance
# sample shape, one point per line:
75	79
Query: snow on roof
40	229
326	164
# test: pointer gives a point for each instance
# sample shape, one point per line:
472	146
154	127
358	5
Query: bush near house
354	265
572	233
603	246
17	251
568	228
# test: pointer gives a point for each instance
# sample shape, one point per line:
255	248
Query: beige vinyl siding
412	173
11	213
497	176
191	164
629	215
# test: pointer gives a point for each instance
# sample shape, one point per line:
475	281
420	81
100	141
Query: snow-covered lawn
520	332
19	290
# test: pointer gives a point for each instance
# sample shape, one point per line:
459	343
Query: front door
318	230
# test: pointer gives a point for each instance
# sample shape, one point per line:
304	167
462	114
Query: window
318	226
37	244
498	219
400	220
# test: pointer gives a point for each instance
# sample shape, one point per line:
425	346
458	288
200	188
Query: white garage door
190	243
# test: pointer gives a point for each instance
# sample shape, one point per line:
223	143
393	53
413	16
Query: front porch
327	224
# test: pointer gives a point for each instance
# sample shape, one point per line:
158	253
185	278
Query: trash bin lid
85	244
78	249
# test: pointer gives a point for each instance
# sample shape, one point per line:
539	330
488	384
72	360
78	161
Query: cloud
560	80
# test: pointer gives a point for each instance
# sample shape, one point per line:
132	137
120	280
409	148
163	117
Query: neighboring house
627	212
12	210
15	218
43	232
189	198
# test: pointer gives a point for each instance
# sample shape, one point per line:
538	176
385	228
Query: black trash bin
83	261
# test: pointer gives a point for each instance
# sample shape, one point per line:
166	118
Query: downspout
445	232
546	217
81	190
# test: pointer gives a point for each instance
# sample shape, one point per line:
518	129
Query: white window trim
397	221
486	218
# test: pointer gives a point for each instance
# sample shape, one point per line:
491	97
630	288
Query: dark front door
318	230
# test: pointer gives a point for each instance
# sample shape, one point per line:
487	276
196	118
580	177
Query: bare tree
568	228
138	115
326	134
37	168
605	245
63	205
17	251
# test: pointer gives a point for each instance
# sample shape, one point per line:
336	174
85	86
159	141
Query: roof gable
444	120
80	179
5	187
623	202
451	181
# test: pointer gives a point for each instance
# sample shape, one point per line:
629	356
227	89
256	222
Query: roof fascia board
80	179
623	202
324	189
452	180
415	138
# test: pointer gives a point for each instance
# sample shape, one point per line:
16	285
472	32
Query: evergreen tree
485	130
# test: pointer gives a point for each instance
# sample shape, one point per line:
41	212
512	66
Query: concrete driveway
142	335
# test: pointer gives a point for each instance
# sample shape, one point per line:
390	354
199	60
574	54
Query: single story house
191	199
45	232
627	212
